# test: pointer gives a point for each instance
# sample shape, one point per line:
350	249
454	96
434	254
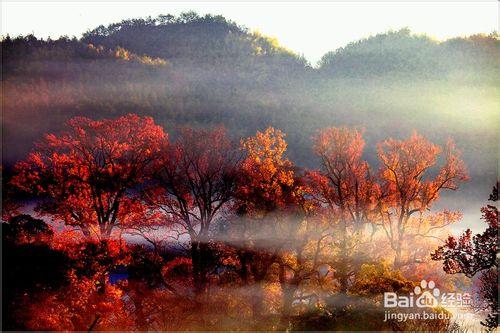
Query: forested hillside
204	70
402	53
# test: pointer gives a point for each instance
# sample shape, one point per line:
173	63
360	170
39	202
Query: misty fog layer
206	71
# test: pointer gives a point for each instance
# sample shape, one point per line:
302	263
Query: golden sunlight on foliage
182	173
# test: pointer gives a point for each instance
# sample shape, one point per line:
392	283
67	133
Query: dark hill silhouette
201	41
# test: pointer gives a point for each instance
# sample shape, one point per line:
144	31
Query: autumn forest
183	173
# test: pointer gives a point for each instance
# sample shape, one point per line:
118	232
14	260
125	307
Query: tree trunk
198	254
288	297
92	325
259	275
343	269
243	272
288	289
257	301
397	259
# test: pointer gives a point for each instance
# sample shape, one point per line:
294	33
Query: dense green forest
205	70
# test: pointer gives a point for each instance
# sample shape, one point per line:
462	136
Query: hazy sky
308	28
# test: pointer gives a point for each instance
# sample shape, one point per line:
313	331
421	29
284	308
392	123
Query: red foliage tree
346	190
408	186
80	306
195	179
470	255
10	207
86	173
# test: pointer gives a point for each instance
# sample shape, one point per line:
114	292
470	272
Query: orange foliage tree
267	177
409	187
267	200
85	174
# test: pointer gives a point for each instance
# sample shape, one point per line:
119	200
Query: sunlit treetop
407	166
87	172
268	179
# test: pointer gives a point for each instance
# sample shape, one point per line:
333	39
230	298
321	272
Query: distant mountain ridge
403	52
208	42
190	39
